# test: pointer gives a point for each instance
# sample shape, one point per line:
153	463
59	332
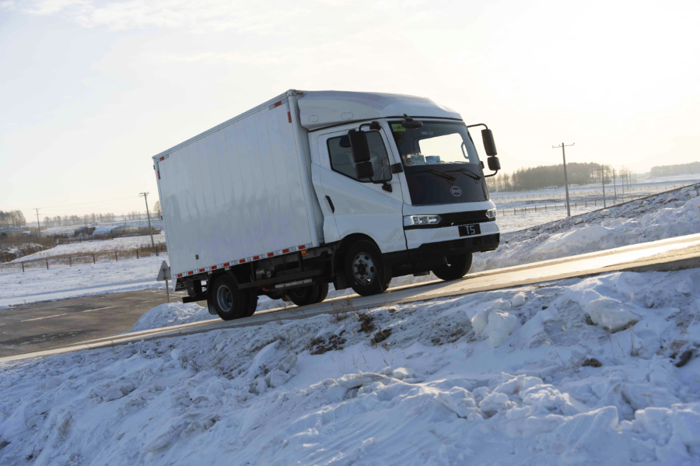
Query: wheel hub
224	298
363	268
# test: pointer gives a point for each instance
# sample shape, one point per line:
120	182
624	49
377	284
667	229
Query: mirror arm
478	124
492	174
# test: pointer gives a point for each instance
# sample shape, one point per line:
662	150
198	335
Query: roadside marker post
164	274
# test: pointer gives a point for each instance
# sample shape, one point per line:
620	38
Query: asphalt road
665	255
42	326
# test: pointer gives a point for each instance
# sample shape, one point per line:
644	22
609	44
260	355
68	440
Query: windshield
436	143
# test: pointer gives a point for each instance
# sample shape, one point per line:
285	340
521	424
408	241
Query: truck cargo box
238	192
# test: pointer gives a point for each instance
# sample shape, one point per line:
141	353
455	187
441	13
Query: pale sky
90	90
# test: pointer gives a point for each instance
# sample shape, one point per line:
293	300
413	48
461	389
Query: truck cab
414	186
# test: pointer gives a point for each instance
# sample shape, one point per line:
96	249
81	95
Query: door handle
330	203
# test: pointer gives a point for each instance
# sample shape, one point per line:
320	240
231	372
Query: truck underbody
292	277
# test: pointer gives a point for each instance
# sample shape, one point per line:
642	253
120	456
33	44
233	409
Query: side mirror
489	144
364	170
359	146
494	164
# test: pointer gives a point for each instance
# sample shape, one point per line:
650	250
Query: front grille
464	218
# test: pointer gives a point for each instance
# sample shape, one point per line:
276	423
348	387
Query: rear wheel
227	300
252	303
365	269
456	267
305	296
323	294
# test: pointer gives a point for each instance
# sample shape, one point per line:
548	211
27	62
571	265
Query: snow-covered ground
80	280
95	246
663	216
533	375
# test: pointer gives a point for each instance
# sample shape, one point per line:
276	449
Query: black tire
323	293
305	296
227	300
252	303
456	267
365	269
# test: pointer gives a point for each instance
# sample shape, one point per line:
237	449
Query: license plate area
470	230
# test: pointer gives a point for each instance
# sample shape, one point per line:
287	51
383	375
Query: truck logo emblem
456	191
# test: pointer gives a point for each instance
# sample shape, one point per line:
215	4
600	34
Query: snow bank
404	384
663	216
170	314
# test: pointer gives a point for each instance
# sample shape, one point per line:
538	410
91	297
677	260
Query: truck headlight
421	220
491	213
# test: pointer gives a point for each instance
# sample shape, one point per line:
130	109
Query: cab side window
342	162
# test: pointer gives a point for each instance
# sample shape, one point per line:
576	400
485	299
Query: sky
91	90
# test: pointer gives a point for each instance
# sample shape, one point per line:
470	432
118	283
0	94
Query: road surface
670	254
40	326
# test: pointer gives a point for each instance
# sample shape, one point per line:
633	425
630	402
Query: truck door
371	207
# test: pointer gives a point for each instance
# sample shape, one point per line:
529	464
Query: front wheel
455	268
365	269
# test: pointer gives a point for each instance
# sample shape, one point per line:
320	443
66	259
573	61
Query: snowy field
80	280
582	371
96	246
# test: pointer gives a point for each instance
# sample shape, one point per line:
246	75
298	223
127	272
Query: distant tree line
526	179
74	220
680	169
14	218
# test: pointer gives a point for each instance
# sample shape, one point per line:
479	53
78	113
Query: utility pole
150	230
614	186
566	178
602	175
37	222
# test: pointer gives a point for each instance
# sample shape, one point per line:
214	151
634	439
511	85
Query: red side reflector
301	247
158	174
270	254
241	261
161	159
189	273
226	264
179	275
289	115
201	270
256	258
277	104
213	267
285	251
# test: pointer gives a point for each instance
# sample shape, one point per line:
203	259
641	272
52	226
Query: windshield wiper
467	172
438	173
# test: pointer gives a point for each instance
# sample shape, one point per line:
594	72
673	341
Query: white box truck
312	188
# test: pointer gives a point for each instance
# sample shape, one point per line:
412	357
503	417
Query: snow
676	213
610	313
170	314
325	390
80	280
96	246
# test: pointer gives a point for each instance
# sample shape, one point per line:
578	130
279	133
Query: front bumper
418	237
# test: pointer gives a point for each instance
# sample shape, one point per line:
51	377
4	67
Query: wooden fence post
70	262
47	264
137	253
22	267
116	259
93	259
